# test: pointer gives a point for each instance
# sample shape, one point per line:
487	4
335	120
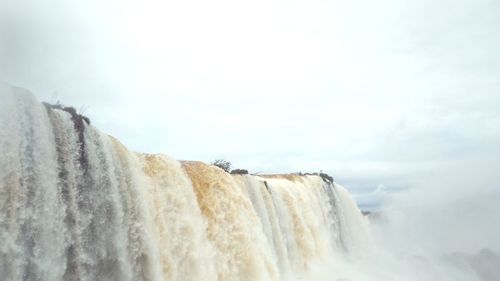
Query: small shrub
223	164
326	177
239	172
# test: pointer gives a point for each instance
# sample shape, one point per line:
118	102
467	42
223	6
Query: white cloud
375	92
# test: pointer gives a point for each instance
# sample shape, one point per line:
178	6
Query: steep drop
75	204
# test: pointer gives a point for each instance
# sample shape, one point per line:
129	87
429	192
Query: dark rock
79	124
327	178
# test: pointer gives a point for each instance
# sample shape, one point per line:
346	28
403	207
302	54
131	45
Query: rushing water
75	204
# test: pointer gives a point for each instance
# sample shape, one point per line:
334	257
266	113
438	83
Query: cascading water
75	204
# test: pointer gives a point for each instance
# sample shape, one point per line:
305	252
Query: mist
446	228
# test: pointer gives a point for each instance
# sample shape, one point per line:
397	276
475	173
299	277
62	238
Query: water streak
75	204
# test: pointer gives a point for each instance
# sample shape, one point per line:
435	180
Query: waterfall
75	204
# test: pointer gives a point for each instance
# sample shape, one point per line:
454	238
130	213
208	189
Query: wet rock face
326	177
79	121
71	110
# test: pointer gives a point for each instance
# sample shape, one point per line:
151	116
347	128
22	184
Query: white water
75	204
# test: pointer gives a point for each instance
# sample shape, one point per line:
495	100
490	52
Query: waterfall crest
75	204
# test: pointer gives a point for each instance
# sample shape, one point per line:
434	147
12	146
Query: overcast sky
381	94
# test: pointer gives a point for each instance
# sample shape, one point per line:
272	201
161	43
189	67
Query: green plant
223	164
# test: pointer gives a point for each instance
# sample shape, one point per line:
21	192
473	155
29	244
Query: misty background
398	100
